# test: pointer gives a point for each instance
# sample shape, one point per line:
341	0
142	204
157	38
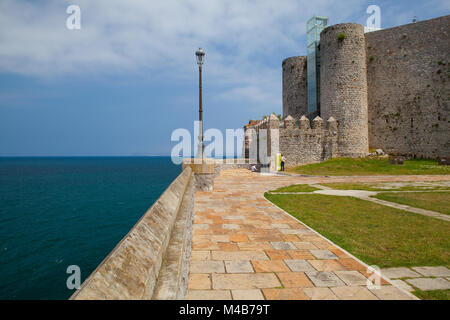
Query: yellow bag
278	161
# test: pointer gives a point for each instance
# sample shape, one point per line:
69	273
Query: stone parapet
132	269
204	172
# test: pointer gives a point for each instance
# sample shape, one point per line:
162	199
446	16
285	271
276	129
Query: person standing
283	160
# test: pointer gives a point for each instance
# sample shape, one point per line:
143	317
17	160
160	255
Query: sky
121	84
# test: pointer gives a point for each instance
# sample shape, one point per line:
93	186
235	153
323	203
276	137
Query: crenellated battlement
299	140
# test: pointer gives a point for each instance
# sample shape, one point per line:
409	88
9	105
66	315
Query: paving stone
230	226
323	254
390	293
205	245
269	266
374	279
233	217
228	246
285	294
282	245
277	216
238	237
299	265
353	293
402	284
244	281
238	266
352	278
324	279
297	231
433	271
294	279
426	284
239	255
265	237
252	294
208	294
340	254
220	238
201	226
326	265
304	245
199	281
300	254
200	255
280	226
206	266
402	272
277	254
315	293
254	245
290	237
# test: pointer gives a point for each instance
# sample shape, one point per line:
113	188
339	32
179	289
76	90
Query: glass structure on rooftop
314	26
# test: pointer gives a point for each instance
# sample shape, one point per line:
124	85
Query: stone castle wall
343	85
295	95
387	89
295	139
301	143
408	74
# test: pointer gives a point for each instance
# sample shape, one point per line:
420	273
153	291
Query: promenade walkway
244	247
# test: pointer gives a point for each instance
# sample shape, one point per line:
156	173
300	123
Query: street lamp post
200	59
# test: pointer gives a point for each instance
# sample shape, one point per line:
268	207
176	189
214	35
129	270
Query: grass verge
376	234
296	188
433	294
367	166
434	201
382	187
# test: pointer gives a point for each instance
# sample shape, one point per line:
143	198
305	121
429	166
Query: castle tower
295	97
343	83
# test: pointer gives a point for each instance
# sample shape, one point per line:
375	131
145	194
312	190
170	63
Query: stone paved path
244	247
423	278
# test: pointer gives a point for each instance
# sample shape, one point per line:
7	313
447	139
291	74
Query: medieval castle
386	89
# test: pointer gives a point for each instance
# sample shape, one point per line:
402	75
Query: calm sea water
56	212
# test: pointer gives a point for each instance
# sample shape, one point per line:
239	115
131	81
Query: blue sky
128	78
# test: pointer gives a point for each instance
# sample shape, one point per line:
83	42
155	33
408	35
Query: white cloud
245	40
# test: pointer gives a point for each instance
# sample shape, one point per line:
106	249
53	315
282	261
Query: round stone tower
295	95
343	86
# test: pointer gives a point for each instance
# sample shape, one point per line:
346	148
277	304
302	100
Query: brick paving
244	247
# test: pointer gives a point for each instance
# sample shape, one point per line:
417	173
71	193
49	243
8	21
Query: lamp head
200	56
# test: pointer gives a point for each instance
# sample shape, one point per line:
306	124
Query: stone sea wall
151	261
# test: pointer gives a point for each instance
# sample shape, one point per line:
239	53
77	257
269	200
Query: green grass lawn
376	234
434	201
433	294
367	166
296	188
379	187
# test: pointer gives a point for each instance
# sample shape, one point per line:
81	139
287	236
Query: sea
61	212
